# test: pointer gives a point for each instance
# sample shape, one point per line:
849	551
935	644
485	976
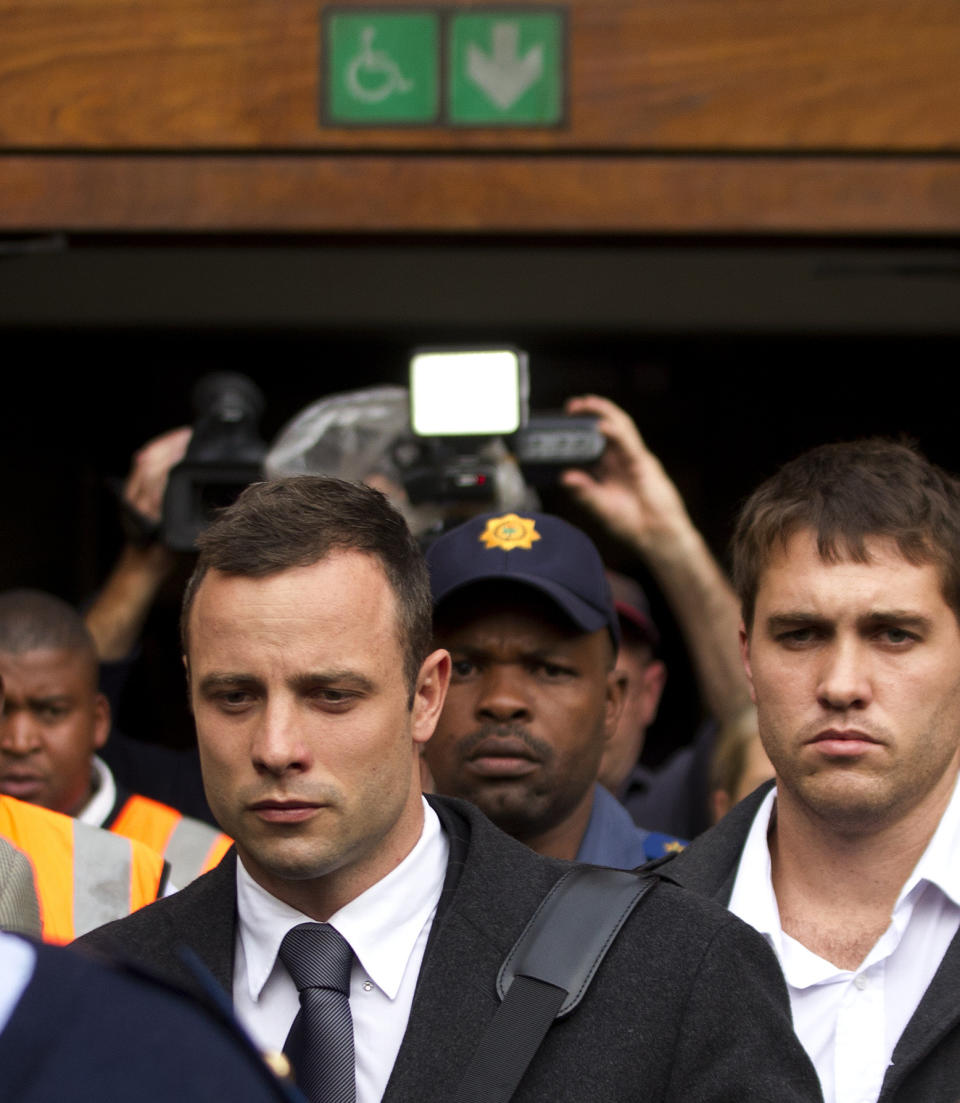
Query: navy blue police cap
533	549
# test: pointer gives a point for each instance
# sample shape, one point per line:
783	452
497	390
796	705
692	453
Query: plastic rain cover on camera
352	436
349	435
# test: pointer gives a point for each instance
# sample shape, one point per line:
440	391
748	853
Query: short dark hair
846	493
295	522
33	620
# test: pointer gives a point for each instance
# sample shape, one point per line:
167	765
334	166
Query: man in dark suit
848	570
307	635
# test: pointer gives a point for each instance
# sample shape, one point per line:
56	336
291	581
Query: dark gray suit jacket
688	1006
926	1061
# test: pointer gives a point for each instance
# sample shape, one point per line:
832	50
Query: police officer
522	604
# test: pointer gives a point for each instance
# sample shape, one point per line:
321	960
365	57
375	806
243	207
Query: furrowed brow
902	618
210	683
53	699
783	622
338	679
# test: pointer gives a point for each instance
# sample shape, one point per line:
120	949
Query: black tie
320	1042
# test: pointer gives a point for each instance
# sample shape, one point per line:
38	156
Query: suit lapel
937	1015
207	923
477	922
708	866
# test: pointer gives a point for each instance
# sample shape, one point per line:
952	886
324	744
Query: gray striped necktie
320	1042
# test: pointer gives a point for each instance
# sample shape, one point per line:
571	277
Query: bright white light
465	393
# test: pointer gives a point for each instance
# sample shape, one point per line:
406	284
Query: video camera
468	411
225	454
460	399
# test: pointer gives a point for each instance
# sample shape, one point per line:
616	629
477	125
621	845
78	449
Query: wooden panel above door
766	76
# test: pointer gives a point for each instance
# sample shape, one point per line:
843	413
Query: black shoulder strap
547	972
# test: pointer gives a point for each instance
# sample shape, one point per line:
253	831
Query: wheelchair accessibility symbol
373	75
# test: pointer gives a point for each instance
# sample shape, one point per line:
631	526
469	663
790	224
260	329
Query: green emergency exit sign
506	68
443	66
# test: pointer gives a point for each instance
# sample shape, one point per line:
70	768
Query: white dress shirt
387	928
849	1021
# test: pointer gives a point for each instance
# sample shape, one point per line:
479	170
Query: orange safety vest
190	846
85	876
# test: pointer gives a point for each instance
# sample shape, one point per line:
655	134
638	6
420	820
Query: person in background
54	722
522	604
83	876
60	878
646	675
116	617
739	763
630	494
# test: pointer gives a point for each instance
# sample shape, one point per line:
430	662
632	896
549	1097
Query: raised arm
630	493
116	616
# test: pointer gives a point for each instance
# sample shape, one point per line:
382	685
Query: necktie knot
317	956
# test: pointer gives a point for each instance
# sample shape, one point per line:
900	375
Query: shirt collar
381	924
938	863
97	810
754	901
753	898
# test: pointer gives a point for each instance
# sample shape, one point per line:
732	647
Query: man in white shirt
314	683
847	563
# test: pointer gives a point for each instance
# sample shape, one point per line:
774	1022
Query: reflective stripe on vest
190	846
102	876
84	876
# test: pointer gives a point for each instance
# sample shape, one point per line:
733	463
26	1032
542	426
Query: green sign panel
497	66
506	67
382	67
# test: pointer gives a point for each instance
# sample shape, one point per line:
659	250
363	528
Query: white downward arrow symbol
505	76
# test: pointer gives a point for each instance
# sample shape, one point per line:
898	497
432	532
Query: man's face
645	677
54	720
307	741
855	669
532	701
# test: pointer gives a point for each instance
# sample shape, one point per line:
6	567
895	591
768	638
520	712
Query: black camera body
225	454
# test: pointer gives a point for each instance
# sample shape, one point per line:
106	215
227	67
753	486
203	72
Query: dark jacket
926	1061
689	1005
82	1033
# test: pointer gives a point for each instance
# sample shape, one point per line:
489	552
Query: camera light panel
466	393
